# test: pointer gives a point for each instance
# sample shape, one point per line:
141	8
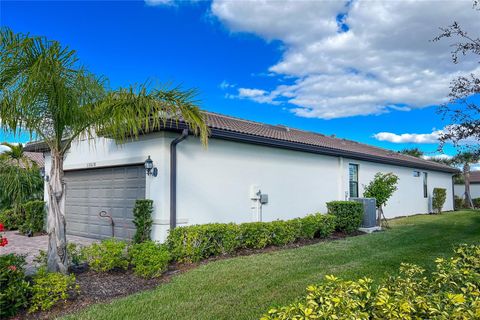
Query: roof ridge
235	118
388	151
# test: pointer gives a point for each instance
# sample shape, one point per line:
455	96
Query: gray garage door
113	190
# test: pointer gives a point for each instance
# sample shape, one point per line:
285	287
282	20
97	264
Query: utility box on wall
370	211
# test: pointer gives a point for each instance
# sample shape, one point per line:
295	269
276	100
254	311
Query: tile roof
36	157
283	133
232	128
475	177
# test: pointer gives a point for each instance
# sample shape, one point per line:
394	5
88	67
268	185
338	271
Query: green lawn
245	287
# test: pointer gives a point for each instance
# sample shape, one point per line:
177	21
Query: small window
416	174
353	180
425	185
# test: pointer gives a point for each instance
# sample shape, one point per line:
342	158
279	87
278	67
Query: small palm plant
20	179
47	92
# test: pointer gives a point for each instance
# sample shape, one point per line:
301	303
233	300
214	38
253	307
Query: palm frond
45	91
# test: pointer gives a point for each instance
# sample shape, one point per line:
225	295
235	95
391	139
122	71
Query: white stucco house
249	172
474	186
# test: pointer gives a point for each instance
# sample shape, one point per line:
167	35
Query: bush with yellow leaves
451	292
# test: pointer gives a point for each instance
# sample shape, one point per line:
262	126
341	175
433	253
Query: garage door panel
113	190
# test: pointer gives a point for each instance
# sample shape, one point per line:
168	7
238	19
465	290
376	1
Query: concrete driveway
30	247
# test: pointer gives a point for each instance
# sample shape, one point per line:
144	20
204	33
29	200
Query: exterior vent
370	211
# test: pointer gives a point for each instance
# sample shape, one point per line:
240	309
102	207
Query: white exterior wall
409	198
474	190
213	184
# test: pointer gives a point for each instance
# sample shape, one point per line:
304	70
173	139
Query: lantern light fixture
149	168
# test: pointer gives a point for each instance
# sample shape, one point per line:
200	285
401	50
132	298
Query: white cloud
4	148
422	138
158	2
224	85
258	95
384	61
438	156
409	137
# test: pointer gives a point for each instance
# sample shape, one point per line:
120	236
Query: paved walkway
30	247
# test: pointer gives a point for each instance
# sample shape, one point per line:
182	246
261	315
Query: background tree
45	91
415	152
381	188
442	160
465	159
463	111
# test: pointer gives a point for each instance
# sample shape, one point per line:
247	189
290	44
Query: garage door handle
105	214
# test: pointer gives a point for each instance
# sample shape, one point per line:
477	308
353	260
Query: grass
245	287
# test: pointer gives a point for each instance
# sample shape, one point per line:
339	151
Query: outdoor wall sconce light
44	176
149	168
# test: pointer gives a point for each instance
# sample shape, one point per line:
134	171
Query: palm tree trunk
466	175
56	226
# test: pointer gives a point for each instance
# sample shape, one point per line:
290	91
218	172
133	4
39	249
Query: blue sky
199	45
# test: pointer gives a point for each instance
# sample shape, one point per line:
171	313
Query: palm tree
20	178
414	152
45	91
442	160
15	154
465	159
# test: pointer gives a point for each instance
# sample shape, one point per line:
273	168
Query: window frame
350	181
425	184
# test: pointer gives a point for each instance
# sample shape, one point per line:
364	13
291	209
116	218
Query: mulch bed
104	287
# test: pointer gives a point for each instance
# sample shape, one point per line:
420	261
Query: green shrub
107	255
197	242
193	243
149	259
143	221
49	288
317	226
452	292
283	232
34	215
14	288
255	235
10	219
349	214
75	254
476	202
459	203
438	199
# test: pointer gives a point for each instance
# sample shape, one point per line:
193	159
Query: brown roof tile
283	133
301	140
36	157
475	177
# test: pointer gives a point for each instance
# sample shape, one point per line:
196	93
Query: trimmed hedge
149	259
34	213
197	242
349	214
143	220
438	199
452	292
193	243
